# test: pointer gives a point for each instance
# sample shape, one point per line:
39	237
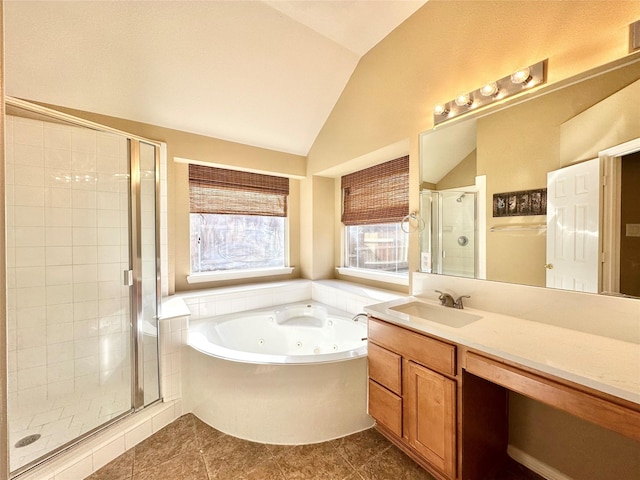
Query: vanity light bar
520	80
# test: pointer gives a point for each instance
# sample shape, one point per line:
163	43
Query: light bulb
489	90
522	76
463	100
440	109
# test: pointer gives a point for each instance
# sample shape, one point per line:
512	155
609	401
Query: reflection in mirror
515	148
448	156
448	246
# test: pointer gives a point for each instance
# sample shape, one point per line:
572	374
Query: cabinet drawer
385	407
385	367
427	351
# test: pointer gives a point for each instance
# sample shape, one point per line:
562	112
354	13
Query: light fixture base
505	88
634	36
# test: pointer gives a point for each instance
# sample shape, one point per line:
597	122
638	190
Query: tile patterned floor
188	449
60	420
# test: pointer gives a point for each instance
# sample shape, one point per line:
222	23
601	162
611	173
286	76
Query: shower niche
448	242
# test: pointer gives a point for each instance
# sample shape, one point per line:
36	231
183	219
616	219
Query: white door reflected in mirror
573	215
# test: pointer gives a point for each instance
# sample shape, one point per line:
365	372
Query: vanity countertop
605	364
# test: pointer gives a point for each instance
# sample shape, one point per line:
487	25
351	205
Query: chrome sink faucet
448	301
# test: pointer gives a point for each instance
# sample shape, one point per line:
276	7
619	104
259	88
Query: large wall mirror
544	191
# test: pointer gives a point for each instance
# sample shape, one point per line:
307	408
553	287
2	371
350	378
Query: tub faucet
357	316
448	301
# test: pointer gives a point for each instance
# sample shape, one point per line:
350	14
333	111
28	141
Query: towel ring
419	223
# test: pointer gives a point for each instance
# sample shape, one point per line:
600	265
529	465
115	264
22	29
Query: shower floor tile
61	420
188	449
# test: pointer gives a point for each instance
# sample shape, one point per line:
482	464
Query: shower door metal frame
137	365
135	259
135	250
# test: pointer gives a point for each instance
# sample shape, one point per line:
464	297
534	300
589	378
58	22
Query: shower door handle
128	278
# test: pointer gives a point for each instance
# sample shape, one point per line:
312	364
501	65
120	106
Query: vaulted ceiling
262	73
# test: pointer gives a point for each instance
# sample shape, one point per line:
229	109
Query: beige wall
316	227
462	175
580	450
582	137
451	46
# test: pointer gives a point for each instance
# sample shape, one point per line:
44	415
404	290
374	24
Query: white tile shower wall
458	221
173	337
67	221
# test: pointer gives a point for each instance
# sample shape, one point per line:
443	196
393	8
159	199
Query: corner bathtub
295	374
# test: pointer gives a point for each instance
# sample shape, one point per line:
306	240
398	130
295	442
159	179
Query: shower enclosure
83	281
448	243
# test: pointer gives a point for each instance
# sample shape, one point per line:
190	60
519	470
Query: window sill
395	278
235	274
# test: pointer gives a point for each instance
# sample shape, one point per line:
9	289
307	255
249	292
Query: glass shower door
69	317
82	277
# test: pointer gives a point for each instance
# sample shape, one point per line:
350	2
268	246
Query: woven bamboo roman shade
379	194
221	191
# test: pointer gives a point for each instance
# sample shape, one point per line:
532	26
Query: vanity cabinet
445	403
412	394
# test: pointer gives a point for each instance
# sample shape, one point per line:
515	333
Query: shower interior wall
68	311
458	222
450	233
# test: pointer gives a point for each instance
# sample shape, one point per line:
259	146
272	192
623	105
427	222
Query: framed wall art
522	203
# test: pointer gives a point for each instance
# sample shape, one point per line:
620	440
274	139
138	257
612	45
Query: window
238	219
374	204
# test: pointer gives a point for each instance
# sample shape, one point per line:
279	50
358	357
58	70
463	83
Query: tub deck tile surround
349	297
188	449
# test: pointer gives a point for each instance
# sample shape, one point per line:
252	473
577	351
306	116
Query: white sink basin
437	313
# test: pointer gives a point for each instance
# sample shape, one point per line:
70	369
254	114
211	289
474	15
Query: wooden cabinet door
430	408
